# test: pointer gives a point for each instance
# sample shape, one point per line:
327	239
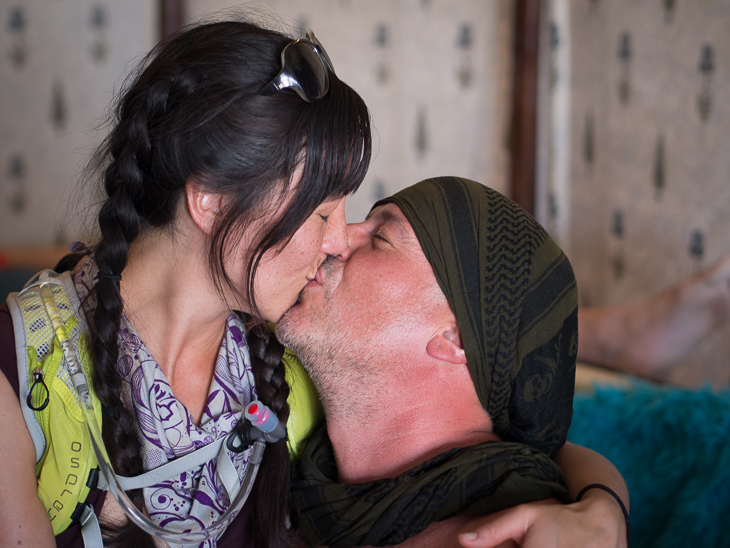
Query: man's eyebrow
397	222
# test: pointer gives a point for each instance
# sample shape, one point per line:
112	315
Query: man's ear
446	345
203	206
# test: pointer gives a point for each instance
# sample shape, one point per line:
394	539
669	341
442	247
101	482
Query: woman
224	176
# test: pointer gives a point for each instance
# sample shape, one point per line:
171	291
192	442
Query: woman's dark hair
192	113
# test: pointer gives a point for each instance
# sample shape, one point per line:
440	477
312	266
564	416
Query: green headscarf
514	296
515	299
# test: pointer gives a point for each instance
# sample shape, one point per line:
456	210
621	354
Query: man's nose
357	236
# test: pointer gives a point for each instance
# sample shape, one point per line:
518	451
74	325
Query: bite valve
265	420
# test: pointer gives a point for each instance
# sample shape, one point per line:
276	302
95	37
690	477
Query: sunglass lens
312	38
307	69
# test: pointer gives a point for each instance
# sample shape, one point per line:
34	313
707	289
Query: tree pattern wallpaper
634	177
60	62
633	118
435	73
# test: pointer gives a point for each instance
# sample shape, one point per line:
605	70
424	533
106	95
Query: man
448	372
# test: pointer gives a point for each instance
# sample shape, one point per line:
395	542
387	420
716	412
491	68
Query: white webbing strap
90	530
172	468
228	474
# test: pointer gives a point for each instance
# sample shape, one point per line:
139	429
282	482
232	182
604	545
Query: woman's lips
318	276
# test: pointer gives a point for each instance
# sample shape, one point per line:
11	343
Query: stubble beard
332	352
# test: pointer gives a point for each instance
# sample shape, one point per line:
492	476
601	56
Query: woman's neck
171	300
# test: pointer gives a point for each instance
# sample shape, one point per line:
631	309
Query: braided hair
191	112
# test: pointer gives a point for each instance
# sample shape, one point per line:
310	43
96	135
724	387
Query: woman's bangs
344	147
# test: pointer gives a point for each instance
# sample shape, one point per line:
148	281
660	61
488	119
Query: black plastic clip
240	437
93	480
38	378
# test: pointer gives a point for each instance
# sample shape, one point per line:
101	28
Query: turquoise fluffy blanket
672	446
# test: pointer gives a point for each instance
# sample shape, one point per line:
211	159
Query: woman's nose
335	240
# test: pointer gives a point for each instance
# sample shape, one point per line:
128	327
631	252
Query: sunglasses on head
305	68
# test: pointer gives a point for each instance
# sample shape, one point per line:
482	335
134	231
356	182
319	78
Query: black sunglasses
305	68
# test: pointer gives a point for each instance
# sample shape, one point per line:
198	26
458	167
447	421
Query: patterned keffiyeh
473	480
196	498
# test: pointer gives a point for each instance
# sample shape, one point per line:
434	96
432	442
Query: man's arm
597	519
582	466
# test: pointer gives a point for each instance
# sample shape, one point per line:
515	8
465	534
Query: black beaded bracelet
614	495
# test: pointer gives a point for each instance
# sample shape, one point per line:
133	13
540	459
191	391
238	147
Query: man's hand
596	521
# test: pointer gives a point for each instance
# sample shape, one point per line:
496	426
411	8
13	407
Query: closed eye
324	217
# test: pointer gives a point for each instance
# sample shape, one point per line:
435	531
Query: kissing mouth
324	268
318	276
317	280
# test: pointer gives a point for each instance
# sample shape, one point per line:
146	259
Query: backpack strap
65	460
23	321
90	529
169	469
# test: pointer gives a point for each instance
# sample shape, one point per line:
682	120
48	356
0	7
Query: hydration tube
78	378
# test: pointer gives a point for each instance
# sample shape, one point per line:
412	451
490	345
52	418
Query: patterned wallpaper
635	154
59	62
633	117
435	74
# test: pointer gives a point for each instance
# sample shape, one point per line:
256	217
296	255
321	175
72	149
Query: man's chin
296	324
291	325
298	304
290	312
